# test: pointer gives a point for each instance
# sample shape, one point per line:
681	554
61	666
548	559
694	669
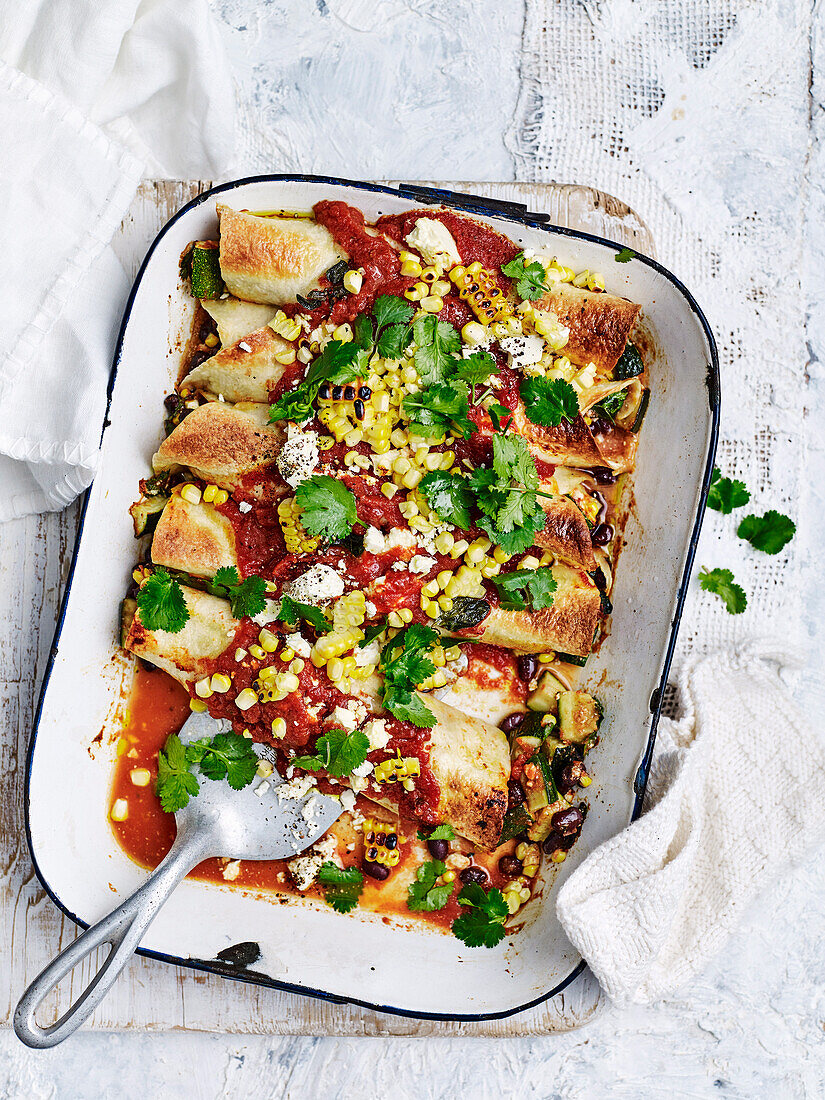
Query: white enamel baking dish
304	946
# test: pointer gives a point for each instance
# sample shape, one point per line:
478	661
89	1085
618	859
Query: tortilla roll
235	318
572	443
221	443
271	260
244	371
600	324
566	533
470	759
193	538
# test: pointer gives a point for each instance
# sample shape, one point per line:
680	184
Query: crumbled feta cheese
357	782
231	870
377	733
310	809
298	457
368	655
261	789
374	540
523	351
269	613
295	788
343	717
244	346
348	800
244	506
319	584
420	564
433	240
304	869
363	769
299	645
398	566
371	609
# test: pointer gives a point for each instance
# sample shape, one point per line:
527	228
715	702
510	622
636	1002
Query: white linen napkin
86	91
736	794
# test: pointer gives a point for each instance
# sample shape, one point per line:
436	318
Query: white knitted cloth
695	112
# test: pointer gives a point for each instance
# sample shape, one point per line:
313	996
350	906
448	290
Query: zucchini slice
205	273
629	365
545	697
146	513
579	716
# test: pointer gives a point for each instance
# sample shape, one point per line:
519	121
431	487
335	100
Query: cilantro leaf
327	507
501	416
393	341
483	924
372	632
512	513
336	752
624	255
721	582
548	401
408	707
512	460
477	368
523	588
247	598
530	278
437	344
405	664
437	409
161	604
448	496
362	332
440	832
293	610
725	494
390	310
175	784
769	533
520	538
339	363
342	886
424	895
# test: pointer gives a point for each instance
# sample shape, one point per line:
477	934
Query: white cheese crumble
295	788
319	584
244	346
344	718
523	351
421	564
362	770
368	655
348	800
231	870
244	506
304	869
377	735
433	240
299	645
298	457
269	613
376	542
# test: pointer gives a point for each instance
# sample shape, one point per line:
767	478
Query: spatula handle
123	929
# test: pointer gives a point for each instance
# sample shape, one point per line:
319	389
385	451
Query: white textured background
327	86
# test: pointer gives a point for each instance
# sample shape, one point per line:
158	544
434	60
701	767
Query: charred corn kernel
220	683
278	727
335	668
246	699
406	614
211	340
209	493
264	769
197	705
432	609
453	653
203	689
444	542
191	493
288	327
501	556
268	641
429	274
394	619
342	333
411	268
433	303
447	459
221	497
473	333
120	810
296	538
397	769
479	289
546	658
257	652
448	876
140	776
353	281
413	294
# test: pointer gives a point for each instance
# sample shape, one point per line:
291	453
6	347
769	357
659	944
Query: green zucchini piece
544	697
515	821
146	513
466	612
522	744
640	415
127	613
579	716
611	405
571	659
629	365
205	274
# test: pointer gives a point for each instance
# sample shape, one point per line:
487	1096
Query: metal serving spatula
217	822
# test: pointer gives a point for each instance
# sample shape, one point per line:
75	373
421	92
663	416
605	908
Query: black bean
375	870
337	393
171	402
569	776
511	722
359	409
527	663
515	794
567	821
556	842
365	393
439	849
473	874
510	867
603	475
602	534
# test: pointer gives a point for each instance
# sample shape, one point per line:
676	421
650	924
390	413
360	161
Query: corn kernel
120	810
268	641
474	333
445	603
441	287
559	856
501	556
444	542
411	268
209	493
389	490
278	727
197	705
287	654
432	609
448	876
221	497
353	281
191	493
288	682
413	294
546	658
246	699
394	619
203	689
335	669
140	776
411	479
406	614
220	682
453	653
264	769
431	588
433	303
343	333
296	666
257	652
211	340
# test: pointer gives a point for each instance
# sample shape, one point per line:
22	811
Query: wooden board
35	553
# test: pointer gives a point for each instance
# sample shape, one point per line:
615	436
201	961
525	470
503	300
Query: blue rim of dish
473	205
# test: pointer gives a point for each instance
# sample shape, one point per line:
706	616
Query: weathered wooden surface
34	560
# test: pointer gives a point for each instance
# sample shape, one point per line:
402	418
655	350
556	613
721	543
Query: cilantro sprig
339	363
482	925
225	756
405	663
246	597
448	496
426	894
336	752
327	507
161	604
769	533
721	582
530	277
725	494
293	610
526	588
548	401
440	832
437	345
388	330
342	886
440	408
